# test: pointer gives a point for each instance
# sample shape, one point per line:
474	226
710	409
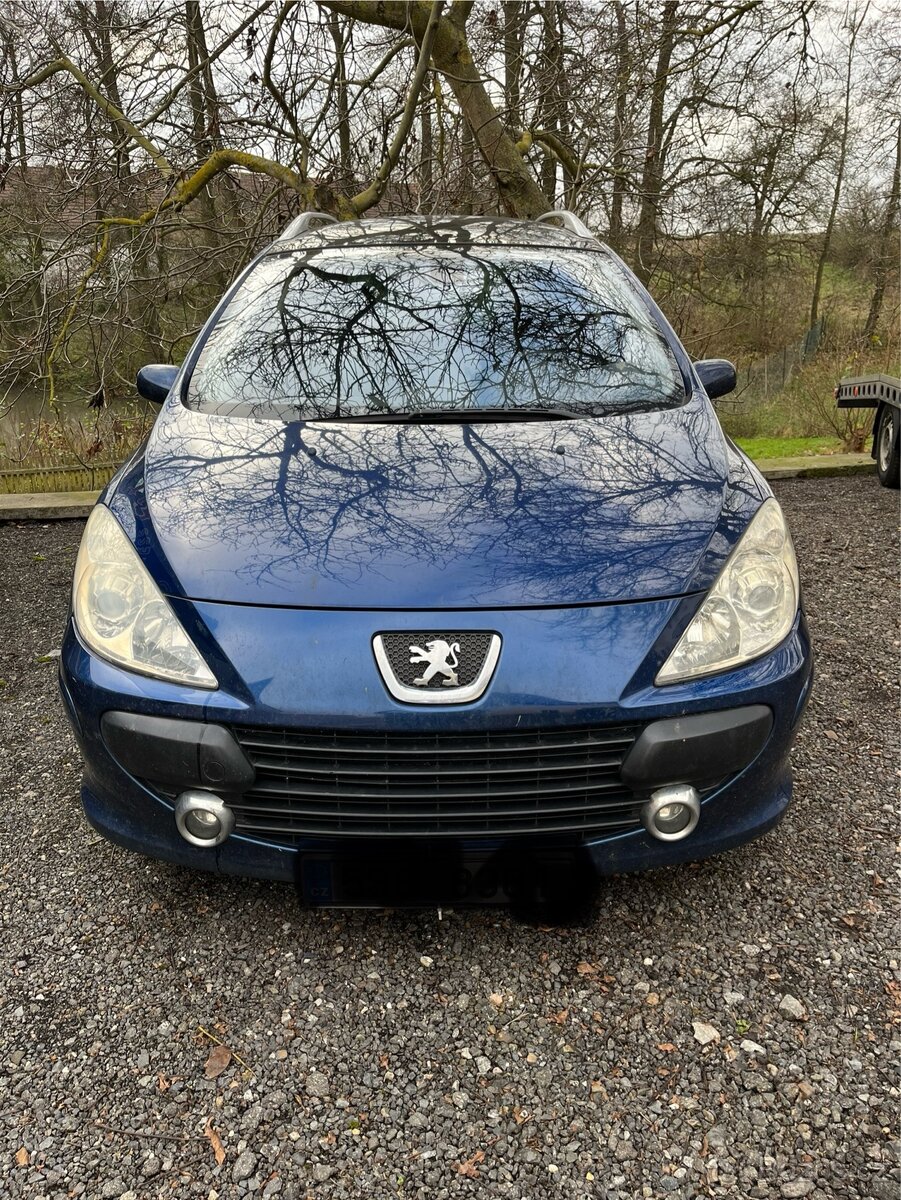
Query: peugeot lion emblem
435	666
442	657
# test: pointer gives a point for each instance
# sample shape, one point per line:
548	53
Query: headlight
749	609
121	613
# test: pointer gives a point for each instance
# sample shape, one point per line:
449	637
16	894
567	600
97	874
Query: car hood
437	517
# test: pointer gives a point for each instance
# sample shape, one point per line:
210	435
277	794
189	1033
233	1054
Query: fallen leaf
497	999
854	920
215	1141
383	1061
832	735
520	1115
666	1047
468	1168
163	1084
22	1158
558	1018
584	968
220	1057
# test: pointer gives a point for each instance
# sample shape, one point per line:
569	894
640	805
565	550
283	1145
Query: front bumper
284	668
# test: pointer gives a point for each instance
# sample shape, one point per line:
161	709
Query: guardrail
74	478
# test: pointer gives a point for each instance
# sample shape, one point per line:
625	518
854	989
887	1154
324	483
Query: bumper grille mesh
478	784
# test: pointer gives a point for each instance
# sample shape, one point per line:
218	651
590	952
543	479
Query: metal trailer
882	392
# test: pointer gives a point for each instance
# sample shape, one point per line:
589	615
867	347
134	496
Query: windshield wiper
460	416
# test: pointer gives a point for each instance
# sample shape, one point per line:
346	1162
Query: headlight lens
121	613
749	609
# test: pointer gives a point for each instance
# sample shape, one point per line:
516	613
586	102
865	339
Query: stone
797	1188
753	1048
704	1033
791	1007
244	1167
317	1084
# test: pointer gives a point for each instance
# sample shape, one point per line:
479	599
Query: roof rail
306	222
566	220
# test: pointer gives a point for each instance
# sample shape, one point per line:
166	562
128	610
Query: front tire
888	447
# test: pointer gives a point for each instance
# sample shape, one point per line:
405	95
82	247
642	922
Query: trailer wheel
888	447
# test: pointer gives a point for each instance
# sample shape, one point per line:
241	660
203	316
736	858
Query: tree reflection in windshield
330	333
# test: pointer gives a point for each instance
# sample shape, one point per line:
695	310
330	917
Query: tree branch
371	195
551	142
207	62
107	106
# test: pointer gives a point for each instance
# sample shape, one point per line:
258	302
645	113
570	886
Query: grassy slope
788	447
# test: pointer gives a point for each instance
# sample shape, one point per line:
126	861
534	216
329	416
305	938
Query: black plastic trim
181	754
697	749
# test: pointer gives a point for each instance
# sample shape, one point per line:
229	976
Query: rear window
333	333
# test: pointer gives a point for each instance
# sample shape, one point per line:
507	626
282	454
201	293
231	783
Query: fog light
203	819
672	812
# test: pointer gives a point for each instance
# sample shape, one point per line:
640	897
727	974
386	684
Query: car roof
452	232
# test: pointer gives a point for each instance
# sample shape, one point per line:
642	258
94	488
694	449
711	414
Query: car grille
472	650
485	783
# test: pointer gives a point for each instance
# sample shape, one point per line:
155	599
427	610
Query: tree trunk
513	36
96	25
518	192
571	180
616	233
654	163
345	169
856	22
18	108
426	164
204	128
885	258
548	111
465	169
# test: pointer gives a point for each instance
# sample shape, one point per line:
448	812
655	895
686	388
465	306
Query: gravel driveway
729	1029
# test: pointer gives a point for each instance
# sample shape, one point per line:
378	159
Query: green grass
788	447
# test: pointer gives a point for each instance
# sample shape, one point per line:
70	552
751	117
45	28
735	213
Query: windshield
334	333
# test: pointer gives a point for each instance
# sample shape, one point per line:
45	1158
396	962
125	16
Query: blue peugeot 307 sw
436	547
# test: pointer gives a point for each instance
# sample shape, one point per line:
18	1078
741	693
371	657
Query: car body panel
584	677
423	517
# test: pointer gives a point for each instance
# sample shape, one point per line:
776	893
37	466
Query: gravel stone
750	1047
245	1165
704	1033
317	1084
797	1188
790	1006
112	962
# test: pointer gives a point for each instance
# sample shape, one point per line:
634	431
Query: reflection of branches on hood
344	501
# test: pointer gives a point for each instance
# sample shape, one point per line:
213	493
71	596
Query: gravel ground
729	1029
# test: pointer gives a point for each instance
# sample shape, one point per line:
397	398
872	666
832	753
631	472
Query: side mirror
155	381
717	375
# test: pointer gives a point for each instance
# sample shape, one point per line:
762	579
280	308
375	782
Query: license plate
416	876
